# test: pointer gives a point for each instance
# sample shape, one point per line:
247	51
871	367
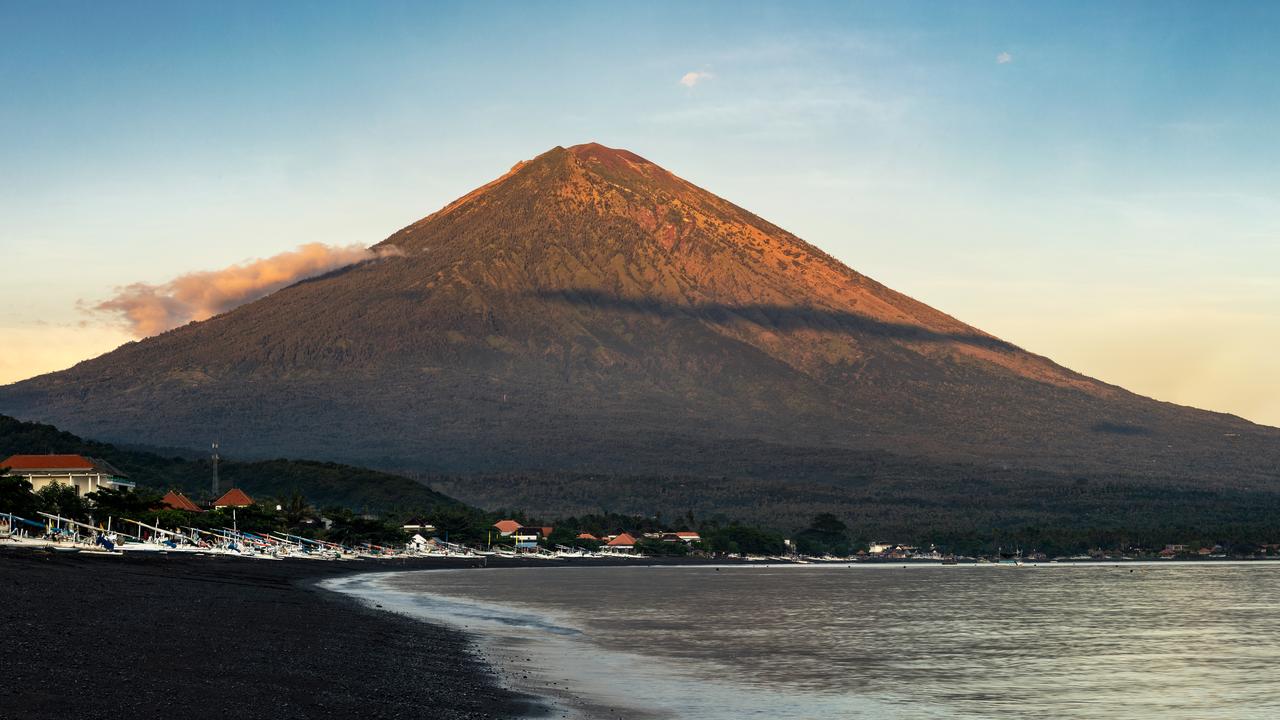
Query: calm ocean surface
1138	640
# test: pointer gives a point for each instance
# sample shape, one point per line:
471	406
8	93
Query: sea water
1133	640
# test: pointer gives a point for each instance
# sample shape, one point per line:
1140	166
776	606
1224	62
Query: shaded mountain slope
591	312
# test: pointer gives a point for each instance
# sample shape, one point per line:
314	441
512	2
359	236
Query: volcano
590	312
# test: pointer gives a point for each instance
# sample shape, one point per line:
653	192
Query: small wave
375	589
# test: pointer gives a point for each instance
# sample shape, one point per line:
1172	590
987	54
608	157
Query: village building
684	537
621	543
506	528
587	536
901	552
527	537
418	526
175	500
233	498
85	474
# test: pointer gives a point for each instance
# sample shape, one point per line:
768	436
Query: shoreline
210	637
520	660
201	636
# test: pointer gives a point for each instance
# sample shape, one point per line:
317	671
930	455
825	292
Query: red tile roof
546	531
177	501
587	536
48	462
688	535
623	540
507	526
234	497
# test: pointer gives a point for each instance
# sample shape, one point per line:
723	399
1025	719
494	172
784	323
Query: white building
86	475
419	526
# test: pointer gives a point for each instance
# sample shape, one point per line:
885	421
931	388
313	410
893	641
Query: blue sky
1109	195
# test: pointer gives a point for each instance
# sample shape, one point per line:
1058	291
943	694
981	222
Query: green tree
16	496
122	503
460	523
660	548
296	508
826	535
734	539
59	499
562	535
351	529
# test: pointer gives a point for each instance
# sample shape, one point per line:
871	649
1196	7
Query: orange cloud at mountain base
146	309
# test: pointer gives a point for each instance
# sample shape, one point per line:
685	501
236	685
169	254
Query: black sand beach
86	636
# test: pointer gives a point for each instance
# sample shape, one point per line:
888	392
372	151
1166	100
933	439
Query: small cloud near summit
1004	58
693	78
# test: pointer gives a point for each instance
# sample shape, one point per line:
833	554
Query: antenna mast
215	470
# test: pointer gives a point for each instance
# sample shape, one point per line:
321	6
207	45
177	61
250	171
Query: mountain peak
595	152
581	311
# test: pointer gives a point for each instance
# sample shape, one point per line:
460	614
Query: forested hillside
322	483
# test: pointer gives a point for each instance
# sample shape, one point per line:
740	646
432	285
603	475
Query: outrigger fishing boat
17	528
317	549
152	538
66	535
62	534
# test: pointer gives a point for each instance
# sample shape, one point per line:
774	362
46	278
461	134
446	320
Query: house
528	537
418	526
175	500
587	536
233	498
507	528
85	474
621	543
684	537
878	548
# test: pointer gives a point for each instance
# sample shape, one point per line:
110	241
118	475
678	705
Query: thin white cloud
1004	58
693	78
